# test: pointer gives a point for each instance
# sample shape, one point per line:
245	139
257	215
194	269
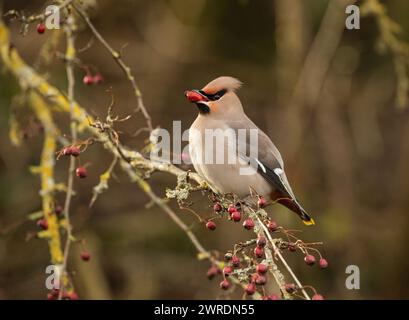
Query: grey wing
267	159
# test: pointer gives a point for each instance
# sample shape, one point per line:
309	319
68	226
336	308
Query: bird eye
214	96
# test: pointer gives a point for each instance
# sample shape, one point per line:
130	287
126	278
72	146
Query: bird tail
294	206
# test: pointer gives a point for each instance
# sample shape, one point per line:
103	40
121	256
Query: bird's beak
195	96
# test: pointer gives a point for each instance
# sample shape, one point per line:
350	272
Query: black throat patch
203	108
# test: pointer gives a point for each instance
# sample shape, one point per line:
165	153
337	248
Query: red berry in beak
248	224
309	259
81	172
41	28
194	96
210	225
323	263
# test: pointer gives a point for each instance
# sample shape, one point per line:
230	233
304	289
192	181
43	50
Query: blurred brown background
324	94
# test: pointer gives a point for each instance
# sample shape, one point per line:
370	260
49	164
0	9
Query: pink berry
235	261
317	297
271	297
250	289
211	225
248	224
236	216
85	256
217	207
88	79
292	247
261	280
43	224
323	263
261	268
81	172
309	259
259	252
261	202
272	225
231	209
41	28
75	151
212	272
97	79
224	284
290	287
261	241
58	210
227	270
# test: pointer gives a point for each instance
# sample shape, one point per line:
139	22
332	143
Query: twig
117	57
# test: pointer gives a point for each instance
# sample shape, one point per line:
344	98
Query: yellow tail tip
310	222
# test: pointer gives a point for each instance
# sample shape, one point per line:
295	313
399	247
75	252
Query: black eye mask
214	96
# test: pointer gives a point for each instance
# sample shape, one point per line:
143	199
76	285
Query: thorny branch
134	164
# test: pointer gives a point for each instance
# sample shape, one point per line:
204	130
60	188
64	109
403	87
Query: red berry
323	263
227	270
211	225
236	216
248	224
261	202
309	259
98	78
235	261
58	210
272	225
231	209
85	256
271	297
67	151
50	296
317	297
261	268
250	289
43	224
261	280
88	79
292	247
212	272
75	151
224	284
81	172
217	207
41	28
261	241
259	252
73	296
290	287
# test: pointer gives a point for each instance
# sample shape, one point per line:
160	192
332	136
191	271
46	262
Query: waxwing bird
262	169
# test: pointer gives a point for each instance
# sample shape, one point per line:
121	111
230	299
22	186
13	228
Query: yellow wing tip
310	222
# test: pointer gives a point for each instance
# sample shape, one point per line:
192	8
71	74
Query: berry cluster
90	79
